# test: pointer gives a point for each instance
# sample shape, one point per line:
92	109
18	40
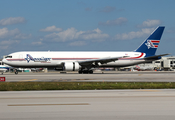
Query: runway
110	76
88	105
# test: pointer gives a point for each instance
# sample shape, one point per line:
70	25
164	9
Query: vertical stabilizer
150	45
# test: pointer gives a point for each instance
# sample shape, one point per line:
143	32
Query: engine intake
71	66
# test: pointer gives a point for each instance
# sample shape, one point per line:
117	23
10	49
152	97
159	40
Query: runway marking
48	104
149	90
28	80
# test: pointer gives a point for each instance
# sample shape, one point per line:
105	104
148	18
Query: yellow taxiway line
28	80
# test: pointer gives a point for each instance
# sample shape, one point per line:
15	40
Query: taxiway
88	105
110	76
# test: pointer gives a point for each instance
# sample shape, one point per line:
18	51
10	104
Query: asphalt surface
88	105
110	76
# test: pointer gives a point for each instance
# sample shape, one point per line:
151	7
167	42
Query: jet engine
71	66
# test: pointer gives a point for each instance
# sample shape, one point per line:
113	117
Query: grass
24	86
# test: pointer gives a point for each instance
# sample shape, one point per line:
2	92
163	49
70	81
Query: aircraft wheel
2	73
16	72
80	71
90	71
85	71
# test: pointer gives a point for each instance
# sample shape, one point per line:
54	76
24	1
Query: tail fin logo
152	43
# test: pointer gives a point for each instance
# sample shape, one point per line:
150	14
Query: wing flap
102	60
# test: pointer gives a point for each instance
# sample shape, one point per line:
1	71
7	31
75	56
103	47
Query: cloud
4	33
10	38
132	35
12	20
51	29
150	23
94	34
37	43
77	43
118	21
7	43
73	34
12	34
88	9
68	34
107	9
171	30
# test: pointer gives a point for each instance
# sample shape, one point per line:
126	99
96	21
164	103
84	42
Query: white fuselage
54	59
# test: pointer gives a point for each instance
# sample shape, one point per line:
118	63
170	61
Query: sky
84	25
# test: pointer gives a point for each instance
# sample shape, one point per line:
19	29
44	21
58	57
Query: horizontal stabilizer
155	57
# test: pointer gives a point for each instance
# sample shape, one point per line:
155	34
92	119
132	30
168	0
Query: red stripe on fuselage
15	59
132	57
73	58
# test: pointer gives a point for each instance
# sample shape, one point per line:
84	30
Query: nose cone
4	60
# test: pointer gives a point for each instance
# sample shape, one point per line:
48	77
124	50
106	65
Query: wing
101	60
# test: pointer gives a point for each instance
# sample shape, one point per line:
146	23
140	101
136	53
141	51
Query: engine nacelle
71	66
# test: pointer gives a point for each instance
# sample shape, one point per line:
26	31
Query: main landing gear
85	71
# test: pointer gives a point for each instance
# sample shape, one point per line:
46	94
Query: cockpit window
8	56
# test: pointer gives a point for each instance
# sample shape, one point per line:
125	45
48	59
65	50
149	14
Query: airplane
85	62
143	68
36	69
3	69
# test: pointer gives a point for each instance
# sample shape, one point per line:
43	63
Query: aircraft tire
90	71
16	72
80	71
85	71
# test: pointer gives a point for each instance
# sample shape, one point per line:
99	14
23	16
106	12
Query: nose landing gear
16	71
